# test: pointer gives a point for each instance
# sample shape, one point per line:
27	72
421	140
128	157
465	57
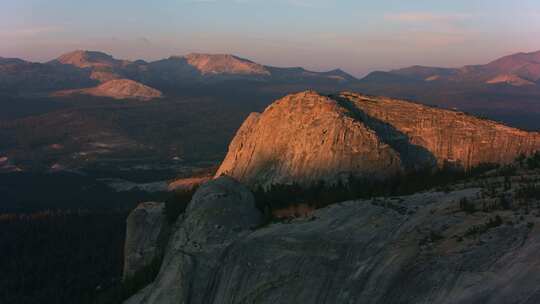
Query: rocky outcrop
412	249
145	227
451	137
220	212
307	137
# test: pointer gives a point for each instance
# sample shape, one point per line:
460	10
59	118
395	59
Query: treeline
60	256
323	194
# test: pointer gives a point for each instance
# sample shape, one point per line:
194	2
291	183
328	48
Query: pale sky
355	35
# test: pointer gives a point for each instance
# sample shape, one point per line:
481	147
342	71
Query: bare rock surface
304	138
307	137
451	137
145	224
410	249
221	211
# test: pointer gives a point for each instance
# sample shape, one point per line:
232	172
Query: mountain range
505	89
521	69
86	69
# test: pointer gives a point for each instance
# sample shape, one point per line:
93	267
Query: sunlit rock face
303	138
306	137
451	137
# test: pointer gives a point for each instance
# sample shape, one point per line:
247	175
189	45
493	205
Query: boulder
221	211
145	226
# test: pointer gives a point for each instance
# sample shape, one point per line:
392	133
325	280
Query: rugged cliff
307	137
144	236
424	248
221	211
451	137
303	138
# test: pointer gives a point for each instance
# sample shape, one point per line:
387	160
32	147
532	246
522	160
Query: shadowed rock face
221	211
451	137
395	250
307	137
144	227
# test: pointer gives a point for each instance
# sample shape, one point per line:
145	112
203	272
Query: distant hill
118	89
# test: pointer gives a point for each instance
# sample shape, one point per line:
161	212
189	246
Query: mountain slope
522	66
307	137
89	59
476	243
118	89
22	76
224	64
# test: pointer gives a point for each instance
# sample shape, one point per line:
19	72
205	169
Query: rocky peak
307	137
304	138
89	59
224	64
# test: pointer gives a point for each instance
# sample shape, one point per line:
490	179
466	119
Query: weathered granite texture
412	249
304	138
221	211
145	225
450	136
307	137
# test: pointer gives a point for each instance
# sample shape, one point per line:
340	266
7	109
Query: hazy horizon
315	34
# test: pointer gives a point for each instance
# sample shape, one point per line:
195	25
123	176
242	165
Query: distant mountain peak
88	59
517	69
224	64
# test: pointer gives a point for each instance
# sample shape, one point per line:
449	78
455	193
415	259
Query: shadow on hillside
413	157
